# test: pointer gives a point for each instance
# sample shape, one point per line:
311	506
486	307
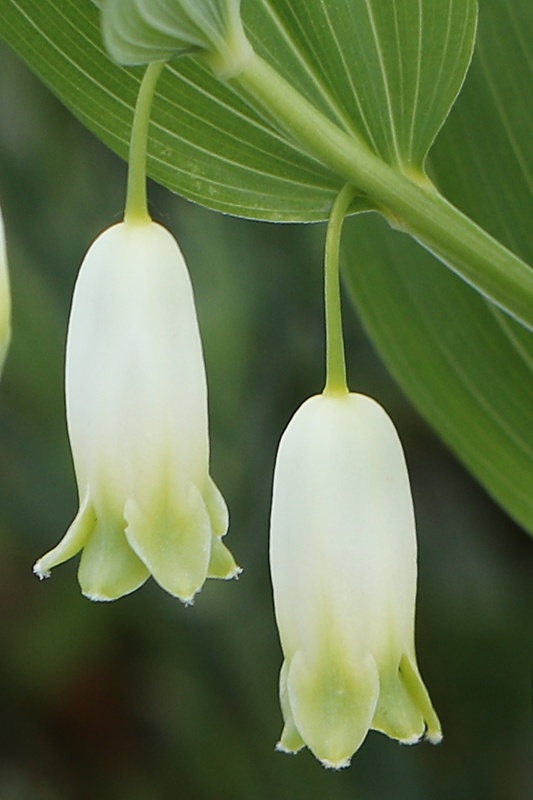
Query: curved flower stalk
5	298
343	560
137	419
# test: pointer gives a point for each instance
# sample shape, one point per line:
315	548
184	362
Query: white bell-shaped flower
5	298
343	560
137	420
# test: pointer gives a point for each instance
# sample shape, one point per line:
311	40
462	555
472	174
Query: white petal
343	544
5	298
136	389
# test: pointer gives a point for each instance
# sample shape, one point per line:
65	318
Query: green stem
136	202
335	361
418	209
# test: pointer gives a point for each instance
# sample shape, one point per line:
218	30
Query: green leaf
390	71
466	366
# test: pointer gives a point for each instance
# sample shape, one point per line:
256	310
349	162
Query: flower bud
5	298
137	419
343	560
144	31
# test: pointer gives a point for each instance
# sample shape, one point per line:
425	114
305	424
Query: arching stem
136	202
335	360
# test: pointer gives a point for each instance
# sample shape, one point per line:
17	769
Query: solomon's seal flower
343	559
5	298
137	418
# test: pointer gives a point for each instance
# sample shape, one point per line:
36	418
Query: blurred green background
145	699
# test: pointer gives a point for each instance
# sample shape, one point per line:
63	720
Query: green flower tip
137	419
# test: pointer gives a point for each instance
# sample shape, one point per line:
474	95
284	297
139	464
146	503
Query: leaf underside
466	365
392	71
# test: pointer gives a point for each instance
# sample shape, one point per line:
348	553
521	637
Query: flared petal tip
222	565
39	570
107	593
336	765
289	751
188	602
236	572
410	740
341	763
99	598
433	737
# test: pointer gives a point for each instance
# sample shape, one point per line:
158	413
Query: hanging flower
343	560
137	419
5	298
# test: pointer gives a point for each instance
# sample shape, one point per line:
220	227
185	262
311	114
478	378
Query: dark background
144	699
